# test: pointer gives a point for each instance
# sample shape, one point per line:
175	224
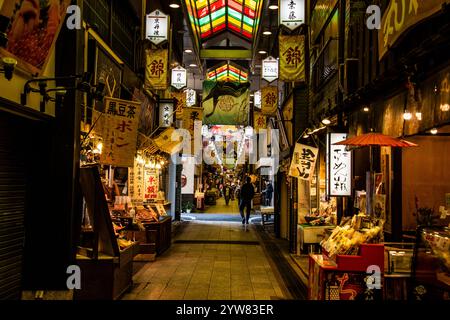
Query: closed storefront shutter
12	208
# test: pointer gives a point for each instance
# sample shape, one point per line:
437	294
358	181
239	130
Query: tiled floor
225	262
221	207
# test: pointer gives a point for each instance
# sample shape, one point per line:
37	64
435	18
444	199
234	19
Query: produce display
346	238
439	242
326	215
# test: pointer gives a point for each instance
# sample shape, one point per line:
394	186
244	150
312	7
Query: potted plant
188	206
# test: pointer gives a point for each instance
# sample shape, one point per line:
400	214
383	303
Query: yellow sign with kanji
269	100
181	103
292	58
156	69
259	121
120	129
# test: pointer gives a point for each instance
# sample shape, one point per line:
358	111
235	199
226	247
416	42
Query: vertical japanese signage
257	99
136	181
180	103
120	132
188	175
292	58
260	121
339	164
156	69
166	113
270	69
269	100
303	162
151	184
191	97
157	27
292	13
179	77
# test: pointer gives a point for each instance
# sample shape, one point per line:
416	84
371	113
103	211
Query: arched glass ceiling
227	72
210	17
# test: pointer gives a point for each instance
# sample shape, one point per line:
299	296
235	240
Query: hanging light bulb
366	109
162	162
407	115
434	131
326	121
158	166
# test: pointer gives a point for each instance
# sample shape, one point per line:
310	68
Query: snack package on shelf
346	238
124	243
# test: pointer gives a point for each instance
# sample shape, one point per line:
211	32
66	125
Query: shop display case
106	262
431	265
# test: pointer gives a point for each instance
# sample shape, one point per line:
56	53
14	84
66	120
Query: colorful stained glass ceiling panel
227	72
209	17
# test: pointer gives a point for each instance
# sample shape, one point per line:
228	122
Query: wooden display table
161	232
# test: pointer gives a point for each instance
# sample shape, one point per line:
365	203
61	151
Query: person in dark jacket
268	193
246	195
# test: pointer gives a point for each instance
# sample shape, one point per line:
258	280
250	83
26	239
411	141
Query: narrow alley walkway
210	260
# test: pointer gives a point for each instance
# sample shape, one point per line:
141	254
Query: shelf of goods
106	262
352	251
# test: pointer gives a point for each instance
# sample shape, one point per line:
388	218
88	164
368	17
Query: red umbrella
376	139
371	140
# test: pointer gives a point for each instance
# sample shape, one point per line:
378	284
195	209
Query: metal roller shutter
12	209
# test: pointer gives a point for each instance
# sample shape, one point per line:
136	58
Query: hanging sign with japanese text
270	69
400	16
269	100
157	27
180	103
191	97
339	164
156	69
179	77
260	121
151	184
257	99
292	58
292	13
136	181
303	162
120	128
166	113
187	175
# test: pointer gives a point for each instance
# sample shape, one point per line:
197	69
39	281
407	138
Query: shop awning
227	72
169	141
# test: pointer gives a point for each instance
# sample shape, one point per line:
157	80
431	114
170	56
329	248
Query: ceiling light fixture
273	7
267	33
366	109
262	52
434	131
188	51
193	65
174	5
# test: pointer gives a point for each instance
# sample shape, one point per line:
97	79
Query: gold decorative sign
269	100
180	103
292	58
156	69
260	121
120	131
399	16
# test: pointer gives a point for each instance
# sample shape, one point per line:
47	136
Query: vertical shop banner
33	30
151	184
157	27
136	182
187	175
190	116
148	106
339	166
166	113
191	97
292	58
179	78
226	103
270	69
120	132
257	99
156	69
292	13
400	16
303	162
180	103
269	101
260	121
